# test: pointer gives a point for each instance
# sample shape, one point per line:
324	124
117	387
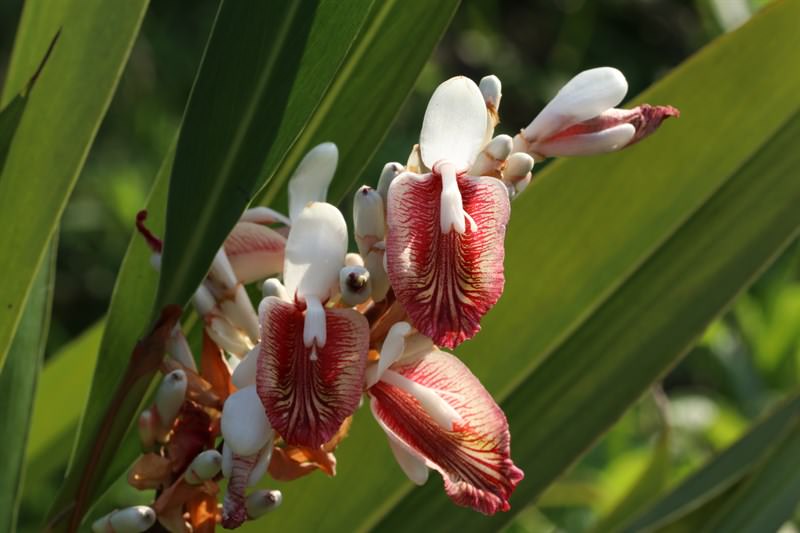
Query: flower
437	415
582	120
445	228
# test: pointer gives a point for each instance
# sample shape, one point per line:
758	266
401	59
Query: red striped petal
446	281
307	401
255	251
474	459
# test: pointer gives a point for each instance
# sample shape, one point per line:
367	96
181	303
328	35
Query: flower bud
178	348
203	467
239	312
147	429
390	172
491	89
368	218
273	287
129	520
492	156
376	264
353	260
244	424
221	271
261	502
244	374
170	396
310	181
354	284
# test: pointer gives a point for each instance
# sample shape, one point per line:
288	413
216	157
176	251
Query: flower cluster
280	384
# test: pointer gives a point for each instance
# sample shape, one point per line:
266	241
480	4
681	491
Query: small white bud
261	502
239	311
354	284
390	172
492	157
178	348
129	520
273	287
228	337
379	279
491	89
203	300
170	396
221	271
353	260
522	184
204	466
368	218
244	424
518	167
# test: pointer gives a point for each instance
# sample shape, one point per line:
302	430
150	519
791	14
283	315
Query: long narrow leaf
17	387
265	70
61	118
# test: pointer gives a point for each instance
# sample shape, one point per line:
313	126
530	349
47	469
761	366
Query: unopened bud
379	279
178	348
390	172
353	260
518	167
261	502
203	300
147	429
170	396
522	184
244	424
492	157
203	467
239	311
354	285
273	287
221	271
414	163
129	520
227	336
368	218
491	89
264	215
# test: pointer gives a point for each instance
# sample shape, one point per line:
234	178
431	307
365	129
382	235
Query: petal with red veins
234	507
255	251
446	281
307	400
474	458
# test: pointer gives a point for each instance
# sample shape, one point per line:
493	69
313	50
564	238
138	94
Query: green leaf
9	119
615	264
365	96
101	431
242	117
721	473
17	386
58	126
769	498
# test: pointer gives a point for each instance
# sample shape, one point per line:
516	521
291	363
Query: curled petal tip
312	177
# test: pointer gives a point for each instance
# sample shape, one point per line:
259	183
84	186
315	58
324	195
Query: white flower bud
368	218
178	348
492	157
379	279
354	284
221	271
244	424
491	89
203	467
129	520
147	429
170	396
518	167
352	260
239	312
273	287
261	502
203	300
228	337
390	172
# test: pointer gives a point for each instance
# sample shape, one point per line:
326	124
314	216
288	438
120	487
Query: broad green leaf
58	126
242	117
721	473
770	496
17	387
10	116
127	320
365	96
614	265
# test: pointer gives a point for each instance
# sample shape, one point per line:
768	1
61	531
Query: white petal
315	251
264	215
314	330
244	374
454	125
492	156
588	144
261	502
170	396
583	97
390	172
391	351
222	271
410	462
274	287
368	218
312	177
442	412
244	425
378	277
260	468
204	466
239	311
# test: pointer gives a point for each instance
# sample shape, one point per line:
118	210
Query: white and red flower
437	415
445	229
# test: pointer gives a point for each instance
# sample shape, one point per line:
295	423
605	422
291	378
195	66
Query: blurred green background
745	362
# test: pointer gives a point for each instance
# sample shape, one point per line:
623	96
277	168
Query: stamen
451	207
314	332
153	242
